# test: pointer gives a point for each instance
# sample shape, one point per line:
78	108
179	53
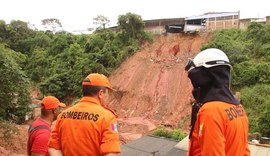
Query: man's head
96	85
50	106
208	58
209	73
209	68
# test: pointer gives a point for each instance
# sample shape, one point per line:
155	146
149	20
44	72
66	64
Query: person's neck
47	119
97	98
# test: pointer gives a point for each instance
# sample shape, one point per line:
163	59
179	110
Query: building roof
151	145
165	19
211	15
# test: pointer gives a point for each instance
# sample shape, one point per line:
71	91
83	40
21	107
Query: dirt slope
152	85
152	89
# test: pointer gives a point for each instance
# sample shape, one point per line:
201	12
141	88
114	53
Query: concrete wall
222	24
244	23
155	29
158	26
267	20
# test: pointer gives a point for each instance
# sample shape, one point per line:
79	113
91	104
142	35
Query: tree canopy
54	62
132	25
14	90
101	22
52	24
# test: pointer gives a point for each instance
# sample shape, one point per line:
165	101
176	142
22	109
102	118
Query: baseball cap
96	79
50	102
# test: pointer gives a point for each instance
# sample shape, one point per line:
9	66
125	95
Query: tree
38	65
59	43
66	72
17	35
101	21
14	90
132	25
52	24
3	31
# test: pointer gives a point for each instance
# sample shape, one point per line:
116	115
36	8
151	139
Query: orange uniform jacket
221	129
86	129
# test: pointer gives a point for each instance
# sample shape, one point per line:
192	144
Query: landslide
152	87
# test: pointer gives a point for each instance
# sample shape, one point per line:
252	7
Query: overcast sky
79	14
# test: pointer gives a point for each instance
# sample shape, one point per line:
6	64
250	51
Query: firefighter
87	128
220	124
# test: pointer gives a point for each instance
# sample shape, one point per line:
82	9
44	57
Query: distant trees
17	35
132	25
3	31
101	22
52	24
55	62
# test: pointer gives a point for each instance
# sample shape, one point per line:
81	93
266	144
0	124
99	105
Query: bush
264	122
175	134
248	51
255	100
161	132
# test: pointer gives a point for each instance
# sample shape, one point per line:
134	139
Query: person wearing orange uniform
87	128
219	122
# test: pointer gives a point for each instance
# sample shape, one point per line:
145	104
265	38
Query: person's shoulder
110	111
40	130
39	122
214	106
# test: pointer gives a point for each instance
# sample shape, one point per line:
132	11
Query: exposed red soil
16	146
152	85
152	89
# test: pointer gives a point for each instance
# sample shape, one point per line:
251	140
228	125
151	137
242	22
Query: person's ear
42	106
100	94
54	110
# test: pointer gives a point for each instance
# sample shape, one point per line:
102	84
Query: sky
77	15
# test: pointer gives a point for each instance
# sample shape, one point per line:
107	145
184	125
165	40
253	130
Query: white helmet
208	58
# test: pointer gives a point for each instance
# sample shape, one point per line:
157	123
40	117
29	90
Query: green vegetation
57	62
14	90
175	134
249	52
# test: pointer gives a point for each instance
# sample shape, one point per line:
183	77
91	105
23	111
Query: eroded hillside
152	85
152	89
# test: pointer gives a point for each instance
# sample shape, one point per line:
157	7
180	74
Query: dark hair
45	112
92	90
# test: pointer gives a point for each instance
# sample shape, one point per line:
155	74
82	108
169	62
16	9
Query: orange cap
96	79
50	102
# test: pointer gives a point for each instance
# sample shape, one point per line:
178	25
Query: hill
152	89
152	85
